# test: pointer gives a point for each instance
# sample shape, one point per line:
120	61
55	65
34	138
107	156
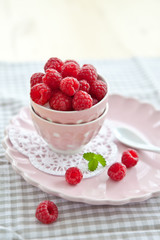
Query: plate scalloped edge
87	200
79	199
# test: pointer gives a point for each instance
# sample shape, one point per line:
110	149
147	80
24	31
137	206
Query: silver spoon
134	140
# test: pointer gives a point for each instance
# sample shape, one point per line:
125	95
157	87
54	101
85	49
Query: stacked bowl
68	132
69	104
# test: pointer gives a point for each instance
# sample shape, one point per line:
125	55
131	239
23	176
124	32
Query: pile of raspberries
66	86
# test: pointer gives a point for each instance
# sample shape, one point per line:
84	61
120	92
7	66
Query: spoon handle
150	148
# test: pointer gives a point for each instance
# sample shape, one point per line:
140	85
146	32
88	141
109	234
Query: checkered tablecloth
139	78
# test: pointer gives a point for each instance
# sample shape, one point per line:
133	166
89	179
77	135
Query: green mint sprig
93	160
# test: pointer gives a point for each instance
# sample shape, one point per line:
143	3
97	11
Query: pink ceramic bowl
67	138
71	117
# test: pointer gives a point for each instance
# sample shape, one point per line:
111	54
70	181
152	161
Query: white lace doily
30	144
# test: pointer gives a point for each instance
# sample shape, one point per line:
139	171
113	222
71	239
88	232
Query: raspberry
129	158
40	93
98	89
47	212
81	101
69	86
54	63
60	101
70	69
73	175
73	61
84	86
117	171
88	73
52	78
36	78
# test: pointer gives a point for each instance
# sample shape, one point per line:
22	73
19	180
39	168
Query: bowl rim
69	125
72	112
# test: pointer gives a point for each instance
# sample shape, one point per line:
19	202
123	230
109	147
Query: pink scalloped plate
140	183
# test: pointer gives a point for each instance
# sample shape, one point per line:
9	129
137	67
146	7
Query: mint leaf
93	164
93	160
100	159
88	156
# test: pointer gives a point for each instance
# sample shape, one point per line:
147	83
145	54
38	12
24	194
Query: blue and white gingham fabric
135	77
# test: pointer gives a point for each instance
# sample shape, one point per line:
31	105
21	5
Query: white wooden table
92	29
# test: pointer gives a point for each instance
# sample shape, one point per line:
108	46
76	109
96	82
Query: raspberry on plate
54	63
88	73
70	69
47	212
60	101
129	158
36	78
69	86
98	89
52	78
40	93
73	175
84	86
117	171
81	100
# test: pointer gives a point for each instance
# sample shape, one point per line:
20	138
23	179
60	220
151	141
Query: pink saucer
140	183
